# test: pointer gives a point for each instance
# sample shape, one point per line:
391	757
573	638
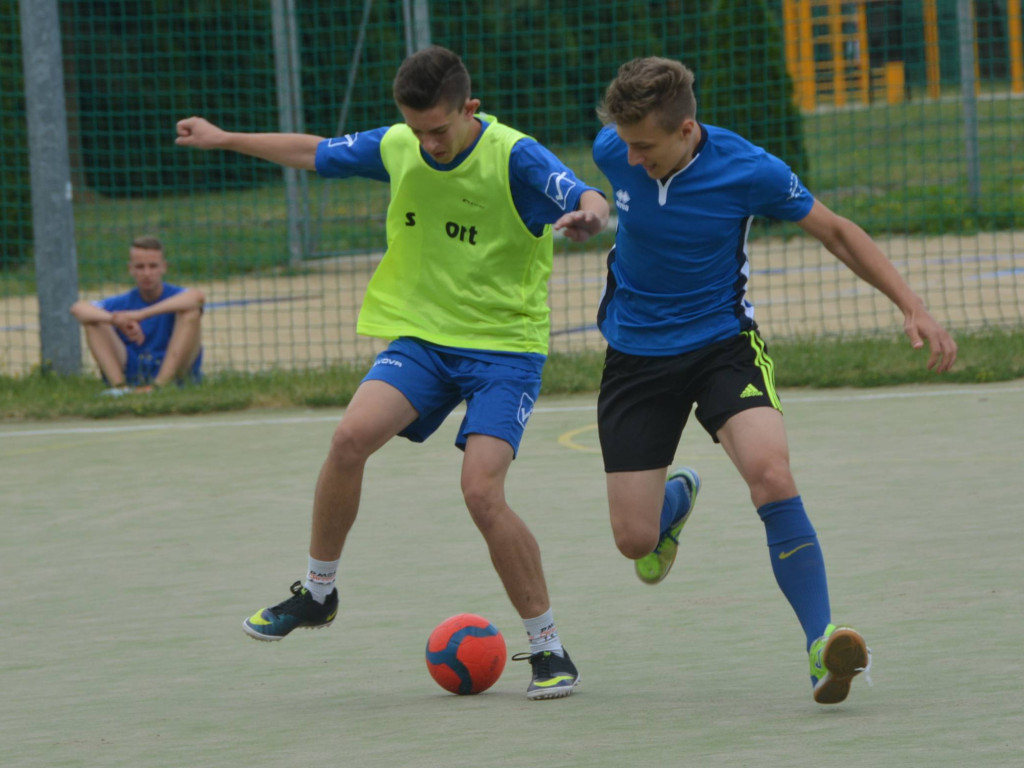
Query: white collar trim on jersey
663	186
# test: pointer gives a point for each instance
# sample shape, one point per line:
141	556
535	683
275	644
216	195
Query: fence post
287	67
416	15
53	221
969	99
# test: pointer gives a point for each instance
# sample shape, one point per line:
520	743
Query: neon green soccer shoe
553	677
653	568
836	658
299	610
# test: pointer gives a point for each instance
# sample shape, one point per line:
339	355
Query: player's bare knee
637	547
635	541
347	448
188	316
773	482
484	502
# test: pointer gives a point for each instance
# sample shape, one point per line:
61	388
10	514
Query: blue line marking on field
1000	273
208	306
836	266
269	300
901	263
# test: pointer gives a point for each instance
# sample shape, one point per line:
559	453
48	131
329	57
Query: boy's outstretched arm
293	150
855	248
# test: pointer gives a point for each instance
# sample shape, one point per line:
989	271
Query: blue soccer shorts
499	397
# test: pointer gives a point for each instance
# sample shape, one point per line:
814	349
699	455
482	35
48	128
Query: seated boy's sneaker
299	610
836	658
120	391
653	568
554	676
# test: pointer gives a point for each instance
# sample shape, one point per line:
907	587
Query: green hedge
15	192
745	86
134	67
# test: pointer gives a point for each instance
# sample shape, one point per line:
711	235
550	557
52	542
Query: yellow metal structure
1016	46
931	49
827	51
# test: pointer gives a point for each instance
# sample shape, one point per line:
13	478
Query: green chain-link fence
897	113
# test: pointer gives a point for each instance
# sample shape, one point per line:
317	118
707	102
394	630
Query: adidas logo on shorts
751	391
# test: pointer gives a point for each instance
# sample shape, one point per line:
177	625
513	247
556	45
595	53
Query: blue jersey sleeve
132	299
543	188
122	302
356	154
777	192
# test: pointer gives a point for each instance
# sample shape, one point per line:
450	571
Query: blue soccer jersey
677	275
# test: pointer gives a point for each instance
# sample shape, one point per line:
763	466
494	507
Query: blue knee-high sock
676	502
798	564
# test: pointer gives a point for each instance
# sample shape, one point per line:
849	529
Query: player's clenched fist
200	133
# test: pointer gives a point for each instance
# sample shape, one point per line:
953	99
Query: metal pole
969	99
53	223
410	47
421	23
353	71
287	67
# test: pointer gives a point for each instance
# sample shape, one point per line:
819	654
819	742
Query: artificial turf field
131	551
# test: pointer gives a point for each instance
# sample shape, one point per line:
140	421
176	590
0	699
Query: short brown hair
148	243
430	77
652	84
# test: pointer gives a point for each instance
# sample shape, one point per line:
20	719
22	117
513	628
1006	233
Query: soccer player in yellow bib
461	294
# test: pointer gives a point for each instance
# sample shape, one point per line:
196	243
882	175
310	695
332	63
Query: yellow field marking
568	439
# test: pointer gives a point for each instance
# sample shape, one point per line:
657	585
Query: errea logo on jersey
622	199
348	140
558	187
795	190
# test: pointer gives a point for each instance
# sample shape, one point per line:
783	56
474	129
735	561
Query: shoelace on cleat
541	663
294	601
668	535
866	671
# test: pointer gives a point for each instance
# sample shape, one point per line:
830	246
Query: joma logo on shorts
525	409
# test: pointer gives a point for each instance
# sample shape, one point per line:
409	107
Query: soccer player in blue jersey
681	332
150	335
461	294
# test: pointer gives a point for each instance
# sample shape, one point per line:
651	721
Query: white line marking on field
845	397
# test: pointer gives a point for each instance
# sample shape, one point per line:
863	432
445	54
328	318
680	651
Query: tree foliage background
134	67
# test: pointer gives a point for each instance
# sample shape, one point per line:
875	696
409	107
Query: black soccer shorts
645	401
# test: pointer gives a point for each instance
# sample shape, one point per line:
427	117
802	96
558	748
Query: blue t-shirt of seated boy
157	329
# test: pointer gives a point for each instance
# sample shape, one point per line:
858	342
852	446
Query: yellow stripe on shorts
767	366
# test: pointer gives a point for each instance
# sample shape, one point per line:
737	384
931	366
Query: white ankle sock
321	577
543	634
